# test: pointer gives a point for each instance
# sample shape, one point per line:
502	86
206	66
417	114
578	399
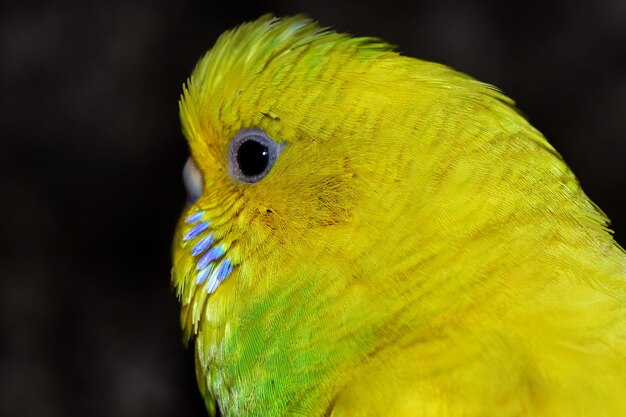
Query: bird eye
251	155
193	181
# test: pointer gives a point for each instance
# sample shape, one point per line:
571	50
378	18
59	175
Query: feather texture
417	249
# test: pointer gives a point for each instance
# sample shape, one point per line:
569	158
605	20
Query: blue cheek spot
218	275
196	230
202	245
195	218
208	270
209	257
203	274
213	283
224	270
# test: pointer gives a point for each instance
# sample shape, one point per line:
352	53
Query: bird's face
319	161
275	178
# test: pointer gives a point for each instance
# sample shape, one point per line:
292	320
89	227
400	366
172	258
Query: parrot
371	234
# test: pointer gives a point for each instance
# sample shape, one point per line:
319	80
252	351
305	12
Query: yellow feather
417	249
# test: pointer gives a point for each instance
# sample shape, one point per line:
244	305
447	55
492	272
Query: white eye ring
192	178
251	155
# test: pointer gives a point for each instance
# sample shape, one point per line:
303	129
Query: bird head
334	182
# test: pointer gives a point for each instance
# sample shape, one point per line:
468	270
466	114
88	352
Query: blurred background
91	156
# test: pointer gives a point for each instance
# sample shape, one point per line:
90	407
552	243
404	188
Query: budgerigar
370	234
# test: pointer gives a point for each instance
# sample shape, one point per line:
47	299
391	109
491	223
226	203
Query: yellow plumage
417	248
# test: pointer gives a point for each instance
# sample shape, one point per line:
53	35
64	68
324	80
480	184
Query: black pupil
252	158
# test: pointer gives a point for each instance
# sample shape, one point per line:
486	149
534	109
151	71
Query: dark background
91	157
